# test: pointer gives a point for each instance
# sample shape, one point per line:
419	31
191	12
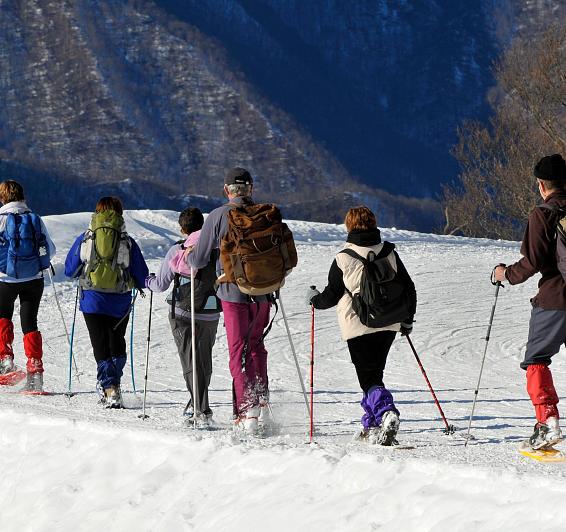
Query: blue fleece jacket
93	302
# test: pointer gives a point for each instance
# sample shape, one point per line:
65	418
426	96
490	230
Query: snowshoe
368	436
546	435
12	378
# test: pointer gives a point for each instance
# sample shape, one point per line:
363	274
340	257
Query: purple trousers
245	323
375	403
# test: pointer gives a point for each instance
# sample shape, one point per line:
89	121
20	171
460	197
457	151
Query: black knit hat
238	176
551	168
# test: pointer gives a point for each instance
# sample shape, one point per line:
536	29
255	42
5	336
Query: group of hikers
234	263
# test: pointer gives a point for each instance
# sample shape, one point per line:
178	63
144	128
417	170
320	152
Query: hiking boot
546	435
203	421
7	365
387	430
34	383
112	397
248	422
265	421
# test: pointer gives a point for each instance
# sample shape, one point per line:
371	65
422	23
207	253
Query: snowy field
69	465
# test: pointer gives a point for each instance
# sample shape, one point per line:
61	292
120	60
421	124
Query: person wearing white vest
368	346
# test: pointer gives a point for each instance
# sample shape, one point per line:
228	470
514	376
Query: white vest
352	269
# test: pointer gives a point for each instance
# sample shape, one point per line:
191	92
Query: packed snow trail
84	467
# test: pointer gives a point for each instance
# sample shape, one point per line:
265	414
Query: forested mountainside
383	84
328	103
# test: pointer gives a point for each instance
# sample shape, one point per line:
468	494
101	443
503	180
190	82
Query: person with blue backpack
108	264
25	251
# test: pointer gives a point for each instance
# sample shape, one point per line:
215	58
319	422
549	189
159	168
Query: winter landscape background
329	104
85	468
345	102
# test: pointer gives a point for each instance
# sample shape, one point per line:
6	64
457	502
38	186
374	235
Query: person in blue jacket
108	264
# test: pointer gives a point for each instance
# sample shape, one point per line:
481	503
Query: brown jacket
539	255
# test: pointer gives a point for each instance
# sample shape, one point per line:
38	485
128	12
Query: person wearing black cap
245	320
547	326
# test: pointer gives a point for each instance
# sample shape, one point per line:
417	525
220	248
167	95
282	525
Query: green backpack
105	253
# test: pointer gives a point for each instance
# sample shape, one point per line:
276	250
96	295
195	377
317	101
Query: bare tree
497	190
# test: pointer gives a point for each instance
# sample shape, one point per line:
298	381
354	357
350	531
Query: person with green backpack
108	264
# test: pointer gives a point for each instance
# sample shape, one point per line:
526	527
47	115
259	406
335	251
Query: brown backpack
258	250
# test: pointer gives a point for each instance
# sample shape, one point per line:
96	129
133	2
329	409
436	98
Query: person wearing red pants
547	326
25	250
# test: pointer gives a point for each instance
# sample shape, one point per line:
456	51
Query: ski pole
450	429
312	370
71	340
50	272
143	415
196	404
294	354
132	339
497	285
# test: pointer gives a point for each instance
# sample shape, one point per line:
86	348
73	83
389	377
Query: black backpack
383	298
560	236
206	301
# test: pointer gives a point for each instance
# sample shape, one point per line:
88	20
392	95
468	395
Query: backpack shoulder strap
387	248
553	208
354	255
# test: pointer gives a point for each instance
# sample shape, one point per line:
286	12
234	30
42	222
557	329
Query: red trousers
33	346
542	392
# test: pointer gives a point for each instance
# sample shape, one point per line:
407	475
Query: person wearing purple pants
245	319
368	346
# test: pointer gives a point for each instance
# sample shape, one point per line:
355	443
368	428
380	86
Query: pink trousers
245	323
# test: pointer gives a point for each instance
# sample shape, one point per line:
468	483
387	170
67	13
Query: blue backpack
23	246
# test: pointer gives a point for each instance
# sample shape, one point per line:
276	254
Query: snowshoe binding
112	397
34	384
202	421
265	421
384	434
248	423
7	365
546	435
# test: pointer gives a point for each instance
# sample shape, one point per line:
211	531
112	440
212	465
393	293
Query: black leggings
30	293
106	342
369	355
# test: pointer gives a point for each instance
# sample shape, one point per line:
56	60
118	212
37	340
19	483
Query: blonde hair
11	191
360	219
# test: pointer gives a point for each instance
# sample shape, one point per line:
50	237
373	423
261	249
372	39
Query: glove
406	328
148	279
311	292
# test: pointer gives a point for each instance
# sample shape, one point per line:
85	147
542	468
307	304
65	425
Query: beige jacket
350	324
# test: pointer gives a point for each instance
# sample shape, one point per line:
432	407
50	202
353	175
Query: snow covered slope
69	465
